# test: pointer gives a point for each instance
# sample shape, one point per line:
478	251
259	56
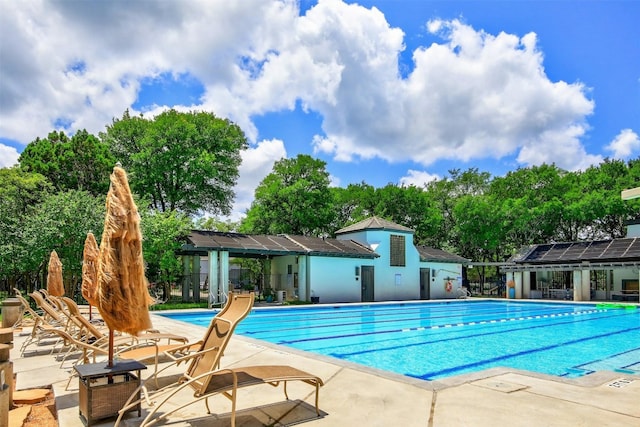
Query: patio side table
104	390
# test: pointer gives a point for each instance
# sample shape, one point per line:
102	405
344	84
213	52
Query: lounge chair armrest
157	336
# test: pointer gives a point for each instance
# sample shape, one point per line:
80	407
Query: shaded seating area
204	378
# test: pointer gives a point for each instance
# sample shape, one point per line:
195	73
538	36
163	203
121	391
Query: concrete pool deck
356	395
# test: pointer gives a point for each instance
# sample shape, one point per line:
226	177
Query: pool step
626	362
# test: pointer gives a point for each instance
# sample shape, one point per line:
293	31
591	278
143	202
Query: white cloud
625	145
473	96
8	156
418	178
257	163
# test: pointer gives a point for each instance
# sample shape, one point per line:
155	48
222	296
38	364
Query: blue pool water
437	340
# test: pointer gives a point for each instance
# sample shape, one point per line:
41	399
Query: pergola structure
579	259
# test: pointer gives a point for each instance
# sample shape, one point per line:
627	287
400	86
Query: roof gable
374	223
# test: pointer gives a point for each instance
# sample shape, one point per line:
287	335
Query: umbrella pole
110	364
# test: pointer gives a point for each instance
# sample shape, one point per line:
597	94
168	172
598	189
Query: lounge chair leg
233	406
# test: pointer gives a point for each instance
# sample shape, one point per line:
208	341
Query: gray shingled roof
428	254
247	245
374	223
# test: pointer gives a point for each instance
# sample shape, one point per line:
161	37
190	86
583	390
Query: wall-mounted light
357	271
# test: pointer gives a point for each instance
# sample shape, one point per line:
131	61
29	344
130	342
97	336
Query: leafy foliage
20	194
81	162
294	198
182	164
61	223
163	234
180	161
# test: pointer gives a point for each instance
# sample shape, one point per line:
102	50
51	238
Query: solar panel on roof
634	249
596	249
616	249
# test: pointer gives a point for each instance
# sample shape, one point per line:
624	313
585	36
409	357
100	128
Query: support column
577	285
267	273
303	293
586	285
214	278
526	285
195	274
224	273
186	277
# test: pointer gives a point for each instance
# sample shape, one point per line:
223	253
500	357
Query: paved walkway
354	395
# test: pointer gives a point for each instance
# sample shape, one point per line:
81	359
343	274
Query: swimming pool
437	340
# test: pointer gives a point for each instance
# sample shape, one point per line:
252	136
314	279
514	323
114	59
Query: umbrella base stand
104	390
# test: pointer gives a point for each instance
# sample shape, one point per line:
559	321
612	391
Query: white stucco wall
619	275
441	273
280	279
334	279
391	283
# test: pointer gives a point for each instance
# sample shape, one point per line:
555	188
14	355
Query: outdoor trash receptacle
11	312
282	296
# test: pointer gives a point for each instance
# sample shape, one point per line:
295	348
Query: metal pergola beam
632	193
570	267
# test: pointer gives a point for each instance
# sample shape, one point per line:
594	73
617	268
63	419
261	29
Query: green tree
352	204
20	194
444	194
163	234
61	223
600	190
213	223
294	199
478	227
81	162
179	161
531	200
409	206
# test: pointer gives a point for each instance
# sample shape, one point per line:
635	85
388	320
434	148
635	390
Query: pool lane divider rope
511	319
435	327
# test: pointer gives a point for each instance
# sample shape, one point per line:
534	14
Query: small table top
101	369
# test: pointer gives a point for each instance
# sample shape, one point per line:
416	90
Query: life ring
448	286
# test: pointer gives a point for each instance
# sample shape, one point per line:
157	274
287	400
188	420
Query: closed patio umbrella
55	286
123	297
90	271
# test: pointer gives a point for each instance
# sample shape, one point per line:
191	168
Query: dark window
397	251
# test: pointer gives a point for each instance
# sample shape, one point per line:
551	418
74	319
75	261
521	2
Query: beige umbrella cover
90	270
123	297
55	286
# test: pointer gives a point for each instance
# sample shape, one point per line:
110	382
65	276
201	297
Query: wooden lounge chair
203	376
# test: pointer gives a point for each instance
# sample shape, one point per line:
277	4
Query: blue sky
386	91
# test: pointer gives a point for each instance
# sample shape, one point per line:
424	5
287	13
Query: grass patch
296	303
178	306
